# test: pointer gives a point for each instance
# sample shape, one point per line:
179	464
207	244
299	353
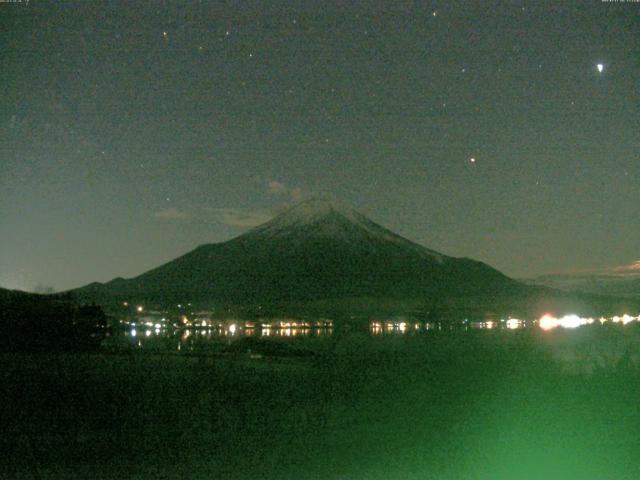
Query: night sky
132	132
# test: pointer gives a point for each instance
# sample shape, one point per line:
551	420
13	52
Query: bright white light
547	322
513	323
572	321
139	308
133	332
624	319
600	67
232	329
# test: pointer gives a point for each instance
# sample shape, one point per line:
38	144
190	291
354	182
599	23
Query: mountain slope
316	250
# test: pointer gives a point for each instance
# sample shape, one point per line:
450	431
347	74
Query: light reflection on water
181	339
546	322
167	336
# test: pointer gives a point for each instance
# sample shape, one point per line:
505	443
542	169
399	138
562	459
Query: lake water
212	336
159	335
211	339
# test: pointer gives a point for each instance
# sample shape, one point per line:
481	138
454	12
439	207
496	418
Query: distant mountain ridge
616	285
6	293
315	250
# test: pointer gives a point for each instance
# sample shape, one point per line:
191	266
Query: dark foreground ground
465	406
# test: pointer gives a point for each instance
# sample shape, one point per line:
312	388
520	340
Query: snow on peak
313	210
324	215
327	217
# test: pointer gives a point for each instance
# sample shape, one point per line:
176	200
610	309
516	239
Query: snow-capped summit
310	211
323	217
315	216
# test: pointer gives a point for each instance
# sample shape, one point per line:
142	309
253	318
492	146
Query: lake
481	404
211	336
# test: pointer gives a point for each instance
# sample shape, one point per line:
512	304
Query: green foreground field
486	405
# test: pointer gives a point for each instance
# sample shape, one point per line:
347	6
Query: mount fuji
317	250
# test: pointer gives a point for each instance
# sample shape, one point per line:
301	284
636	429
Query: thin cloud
171	214
291	194
631	269
241	218
276	188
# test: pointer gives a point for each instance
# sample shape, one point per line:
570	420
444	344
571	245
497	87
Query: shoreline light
548	322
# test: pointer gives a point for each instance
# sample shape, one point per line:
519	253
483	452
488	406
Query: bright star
600	67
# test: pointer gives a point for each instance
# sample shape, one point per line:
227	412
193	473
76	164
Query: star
600	67
472	160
